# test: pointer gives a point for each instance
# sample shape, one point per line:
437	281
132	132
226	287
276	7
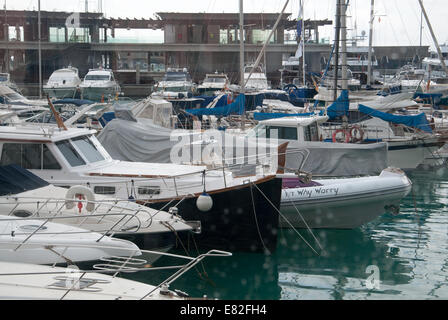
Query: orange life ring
346	134
229	99
354	132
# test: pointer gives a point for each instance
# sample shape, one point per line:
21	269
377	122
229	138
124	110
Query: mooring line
295	230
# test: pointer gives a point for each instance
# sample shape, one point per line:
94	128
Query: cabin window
149	190
104	190
286	133
88	149
29	156
70	154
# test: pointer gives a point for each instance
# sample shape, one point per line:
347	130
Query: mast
303	45
442	59
241	46
369	65
344	75
336	50
39	49
257	62
6	32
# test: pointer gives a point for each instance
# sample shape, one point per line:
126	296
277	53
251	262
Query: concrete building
202	42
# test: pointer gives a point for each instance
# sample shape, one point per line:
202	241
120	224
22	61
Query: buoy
204	202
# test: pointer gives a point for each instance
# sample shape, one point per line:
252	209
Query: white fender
86	192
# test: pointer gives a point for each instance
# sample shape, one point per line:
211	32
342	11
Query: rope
306	224
295	230
256	221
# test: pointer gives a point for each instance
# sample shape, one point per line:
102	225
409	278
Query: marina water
405	253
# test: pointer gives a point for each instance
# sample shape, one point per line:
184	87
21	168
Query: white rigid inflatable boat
344	203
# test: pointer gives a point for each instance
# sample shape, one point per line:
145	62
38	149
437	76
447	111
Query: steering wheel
290	86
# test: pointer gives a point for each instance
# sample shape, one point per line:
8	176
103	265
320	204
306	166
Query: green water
409	250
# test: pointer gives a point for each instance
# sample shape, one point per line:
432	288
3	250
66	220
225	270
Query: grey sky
397	21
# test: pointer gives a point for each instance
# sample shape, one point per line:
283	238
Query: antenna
59	121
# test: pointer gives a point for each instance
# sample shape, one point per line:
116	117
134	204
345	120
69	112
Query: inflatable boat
344	203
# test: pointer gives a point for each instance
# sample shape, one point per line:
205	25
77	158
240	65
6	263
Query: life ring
346	134
354	134
81	192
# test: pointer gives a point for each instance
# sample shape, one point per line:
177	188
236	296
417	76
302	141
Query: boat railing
112	212
371	132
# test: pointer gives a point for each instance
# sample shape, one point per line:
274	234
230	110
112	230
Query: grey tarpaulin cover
337	159
142	141
137	141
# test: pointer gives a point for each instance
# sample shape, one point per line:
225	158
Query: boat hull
234	223
60	93
408	155
342	206
99	93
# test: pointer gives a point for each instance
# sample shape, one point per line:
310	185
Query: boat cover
337	159
143	141
418	121
237	107
15	179
340	107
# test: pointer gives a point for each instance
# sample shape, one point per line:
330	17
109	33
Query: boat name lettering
309	192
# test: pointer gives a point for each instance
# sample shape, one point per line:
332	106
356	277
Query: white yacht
39	241
176	83
5	79
99	85
63	83
213	83
75	157
24	195
24	281
258	80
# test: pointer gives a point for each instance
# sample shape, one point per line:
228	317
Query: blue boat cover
418	121
237	107
76	102
15	179
259	116
339	107
207	99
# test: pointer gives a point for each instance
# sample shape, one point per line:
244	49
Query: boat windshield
97	77
13	96
176	76
79	150
215	80
88	149
3	78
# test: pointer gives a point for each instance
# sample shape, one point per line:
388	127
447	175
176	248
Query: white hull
41	242
34	282
343	203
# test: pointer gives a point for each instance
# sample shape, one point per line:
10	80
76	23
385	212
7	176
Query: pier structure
202	42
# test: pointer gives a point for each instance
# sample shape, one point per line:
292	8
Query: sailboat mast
336	48
241	46
369	62
344	75
39	49
303	44
442	59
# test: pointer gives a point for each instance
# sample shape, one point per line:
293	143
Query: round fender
80	190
